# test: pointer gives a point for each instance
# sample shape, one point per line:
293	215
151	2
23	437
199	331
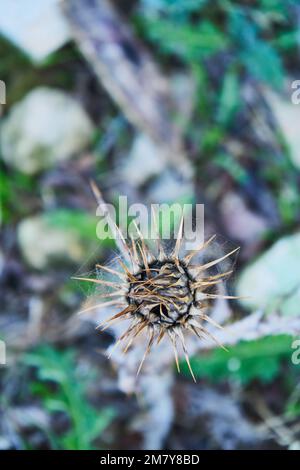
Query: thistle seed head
161	293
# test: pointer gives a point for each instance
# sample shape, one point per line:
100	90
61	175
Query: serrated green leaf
69	397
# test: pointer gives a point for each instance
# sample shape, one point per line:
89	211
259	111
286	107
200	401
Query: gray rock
46	127
273	280
241	223
42	243
184	91
287	115
39	30
145	160
4	443
169	187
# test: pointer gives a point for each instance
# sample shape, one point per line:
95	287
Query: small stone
241	223
4	443
273	280
46	127
184	91
39	30
145	160
287	115
42	243
170	188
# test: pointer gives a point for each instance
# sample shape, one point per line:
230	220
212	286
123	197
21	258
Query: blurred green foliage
13	188
21	76
195	30
62	387
260	359
189	42
248	40
292	407
80	221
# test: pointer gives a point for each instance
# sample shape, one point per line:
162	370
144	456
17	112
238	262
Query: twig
128	73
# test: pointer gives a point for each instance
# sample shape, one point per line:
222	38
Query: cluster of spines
138	256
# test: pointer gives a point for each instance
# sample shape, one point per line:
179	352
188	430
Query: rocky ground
228	71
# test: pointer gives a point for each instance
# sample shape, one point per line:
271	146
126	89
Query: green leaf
69	396
232	166
53	404
14	187
189	42
230	98
246	361
258	56
83	223
286	40
264	63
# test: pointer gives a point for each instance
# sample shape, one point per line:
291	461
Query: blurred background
161	101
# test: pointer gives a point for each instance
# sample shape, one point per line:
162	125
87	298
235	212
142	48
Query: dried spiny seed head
164	294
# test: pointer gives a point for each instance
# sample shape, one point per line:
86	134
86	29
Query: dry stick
144	257
145	252
211	321
134	251
173	342
123	312
125	269
128	73
195	326
112	271
254	326
146	352
185	351
161	252
285	436
120	339
206	284
176	250
216	276
139	330
102	305
160	336
131	78
118	236
220	296
114	285
188	257
118	293
216	261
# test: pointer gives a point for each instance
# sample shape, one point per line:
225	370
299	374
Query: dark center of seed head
162	294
